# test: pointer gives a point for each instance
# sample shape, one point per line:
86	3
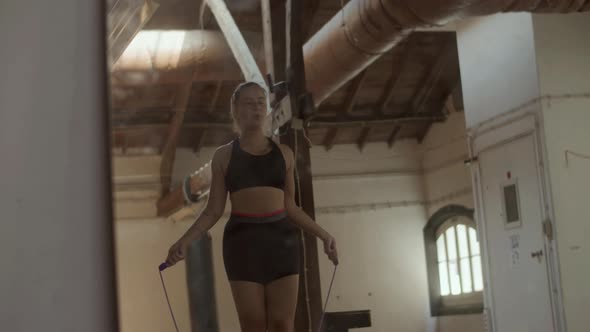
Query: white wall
382	264
446	178
497	61
563	54
448	181
55	233
142	244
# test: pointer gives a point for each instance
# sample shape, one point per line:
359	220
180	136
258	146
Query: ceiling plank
174	128
432	78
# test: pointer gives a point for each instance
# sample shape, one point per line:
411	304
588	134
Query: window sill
458	310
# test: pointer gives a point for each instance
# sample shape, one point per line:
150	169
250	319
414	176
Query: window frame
453	304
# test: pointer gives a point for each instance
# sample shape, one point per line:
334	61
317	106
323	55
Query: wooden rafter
329	139
424	132
174	128
393	136
199	140
327	122
394	79
311	8
215	97
353	92
432	78
428	83
372	121
363	138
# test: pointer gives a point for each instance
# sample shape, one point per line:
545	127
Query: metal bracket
470	161
548	229
273	87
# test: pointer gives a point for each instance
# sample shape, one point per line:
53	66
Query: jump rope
164	266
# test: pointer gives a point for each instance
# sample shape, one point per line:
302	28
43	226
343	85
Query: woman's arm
210	215
298	216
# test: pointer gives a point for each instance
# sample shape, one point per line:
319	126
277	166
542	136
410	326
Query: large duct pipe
365	29
353	39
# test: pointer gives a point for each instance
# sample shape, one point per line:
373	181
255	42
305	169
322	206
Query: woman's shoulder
222	154
287	153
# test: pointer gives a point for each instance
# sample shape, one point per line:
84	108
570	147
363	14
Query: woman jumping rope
260	243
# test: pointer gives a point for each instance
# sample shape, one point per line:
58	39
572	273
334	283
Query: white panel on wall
498	67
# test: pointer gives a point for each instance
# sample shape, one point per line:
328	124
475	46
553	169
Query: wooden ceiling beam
353	92
329	139
393	136
199	140
432	78
174	128
328	122
311	8
363	138
215	97
394	79
372	121
424	132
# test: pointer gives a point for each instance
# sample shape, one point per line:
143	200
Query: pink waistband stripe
257	215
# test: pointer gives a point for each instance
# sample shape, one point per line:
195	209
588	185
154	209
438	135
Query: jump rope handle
163	266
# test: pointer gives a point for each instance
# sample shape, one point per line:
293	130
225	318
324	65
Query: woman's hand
330	249
177	251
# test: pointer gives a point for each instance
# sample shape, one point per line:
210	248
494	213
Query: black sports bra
246	170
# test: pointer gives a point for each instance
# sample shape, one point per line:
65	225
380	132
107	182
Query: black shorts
260	249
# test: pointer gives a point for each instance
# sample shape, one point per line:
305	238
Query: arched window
454	262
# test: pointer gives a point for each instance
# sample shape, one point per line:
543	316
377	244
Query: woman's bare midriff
257	200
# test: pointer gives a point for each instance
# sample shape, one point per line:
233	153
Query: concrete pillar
56	240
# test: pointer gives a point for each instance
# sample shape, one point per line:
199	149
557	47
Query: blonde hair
236	95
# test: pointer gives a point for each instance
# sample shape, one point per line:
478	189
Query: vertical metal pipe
201	286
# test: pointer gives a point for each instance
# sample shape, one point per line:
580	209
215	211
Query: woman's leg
281	302
250	304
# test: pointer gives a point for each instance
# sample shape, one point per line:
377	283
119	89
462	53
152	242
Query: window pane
477	275
462	239
466	275
440	248
451	244
455	283
443	276
473	241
